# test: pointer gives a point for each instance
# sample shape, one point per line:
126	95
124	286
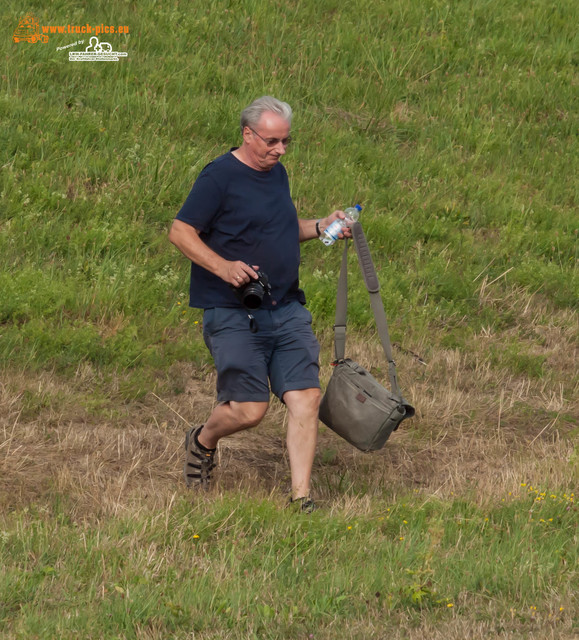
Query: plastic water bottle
330	235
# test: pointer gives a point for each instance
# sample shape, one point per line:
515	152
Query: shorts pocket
305	314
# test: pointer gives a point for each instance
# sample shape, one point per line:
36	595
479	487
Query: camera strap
253	327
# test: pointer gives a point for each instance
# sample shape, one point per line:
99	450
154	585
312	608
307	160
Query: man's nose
280	148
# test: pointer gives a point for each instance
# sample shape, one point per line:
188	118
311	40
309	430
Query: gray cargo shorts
284	350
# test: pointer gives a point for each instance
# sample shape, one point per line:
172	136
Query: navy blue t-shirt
244	214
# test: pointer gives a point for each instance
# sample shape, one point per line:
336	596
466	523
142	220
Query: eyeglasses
272	142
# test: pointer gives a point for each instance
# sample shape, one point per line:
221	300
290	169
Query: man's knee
249	414
303	400
315	397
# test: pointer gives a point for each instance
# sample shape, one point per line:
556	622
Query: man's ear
246	134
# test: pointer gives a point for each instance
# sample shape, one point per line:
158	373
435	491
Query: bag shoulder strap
341	307
373	285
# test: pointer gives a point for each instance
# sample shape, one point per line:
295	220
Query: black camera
251	294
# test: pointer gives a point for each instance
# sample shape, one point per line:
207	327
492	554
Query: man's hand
237	273
346	232
308	229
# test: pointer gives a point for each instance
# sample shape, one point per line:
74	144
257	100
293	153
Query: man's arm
186	239
308	227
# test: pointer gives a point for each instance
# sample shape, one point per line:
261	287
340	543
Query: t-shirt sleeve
202	204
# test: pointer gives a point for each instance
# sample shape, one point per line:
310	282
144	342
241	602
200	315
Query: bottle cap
358	207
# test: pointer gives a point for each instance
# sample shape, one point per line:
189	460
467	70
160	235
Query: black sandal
199	461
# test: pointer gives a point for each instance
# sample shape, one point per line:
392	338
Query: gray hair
251	115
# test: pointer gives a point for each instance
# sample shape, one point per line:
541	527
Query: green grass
453	124
240	567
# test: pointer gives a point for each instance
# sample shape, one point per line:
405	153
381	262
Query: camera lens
253	295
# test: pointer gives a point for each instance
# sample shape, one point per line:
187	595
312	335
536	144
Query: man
239	219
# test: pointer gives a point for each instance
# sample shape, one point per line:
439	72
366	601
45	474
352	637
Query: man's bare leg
302	437
228	418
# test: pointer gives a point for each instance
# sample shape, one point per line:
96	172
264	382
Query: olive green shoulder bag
355	405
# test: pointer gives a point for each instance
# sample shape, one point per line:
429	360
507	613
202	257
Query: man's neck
241	154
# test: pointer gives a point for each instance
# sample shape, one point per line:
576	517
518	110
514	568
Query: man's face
267	142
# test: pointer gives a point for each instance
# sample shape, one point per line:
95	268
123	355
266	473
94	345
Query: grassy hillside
455	125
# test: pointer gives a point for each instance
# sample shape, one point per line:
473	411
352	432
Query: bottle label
334	229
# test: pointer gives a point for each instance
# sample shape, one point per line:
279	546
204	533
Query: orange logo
29	31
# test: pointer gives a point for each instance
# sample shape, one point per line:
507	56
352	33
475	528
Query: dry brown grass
479	432
477	429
